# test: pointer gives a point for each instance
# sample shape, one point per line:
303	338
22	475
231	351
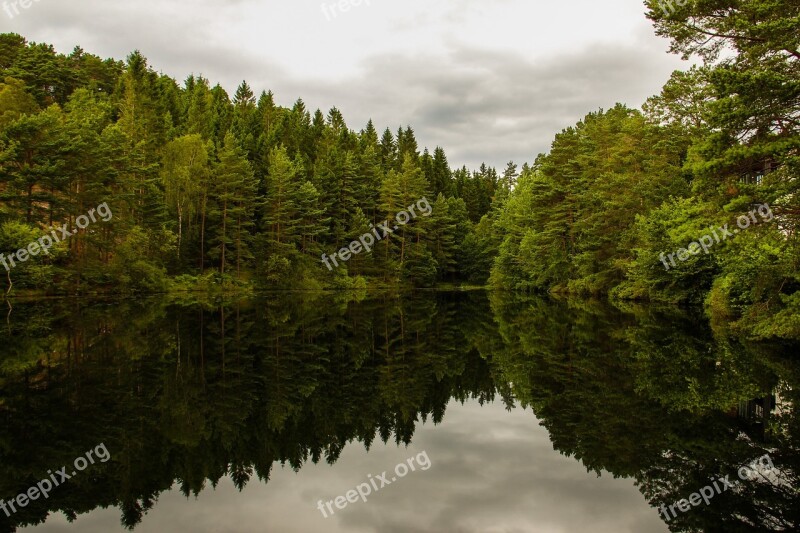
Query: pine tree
311	225
388	151
406	145
510	176
15	102
399	191
368	187
441	237
441	175
280	205
199	106
233	201
221	115
34	164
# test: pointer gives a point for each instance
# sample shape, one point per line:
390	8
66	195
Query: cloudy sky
488	81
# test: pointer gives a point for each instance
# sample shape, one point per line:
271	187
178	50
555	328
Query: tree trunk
203	236
224	236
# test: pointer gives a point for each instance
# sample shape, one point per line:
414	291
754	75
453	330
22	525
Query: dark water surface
519	414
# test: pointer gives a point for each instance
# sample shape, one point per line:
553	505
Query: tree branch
723	36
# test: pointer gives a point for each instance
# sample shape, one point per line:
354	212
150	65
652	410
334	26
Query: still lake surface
536	415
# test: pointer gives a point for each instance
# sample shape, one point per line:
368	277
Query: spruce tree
233	202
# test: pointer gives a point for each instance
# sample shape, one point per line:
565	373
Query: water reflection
195	393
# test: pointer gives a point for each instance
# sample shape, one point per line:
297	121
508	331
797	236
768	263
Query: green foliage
566	226
621	191
185	172
38	271
419	267
14	102
660	234
232	206
477	253
242	184
139	261
746	140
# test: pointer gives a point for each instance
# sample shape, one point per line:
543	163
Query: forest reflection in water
196	391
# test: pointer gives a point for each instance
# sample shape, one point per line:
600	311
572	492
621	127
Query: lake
427	411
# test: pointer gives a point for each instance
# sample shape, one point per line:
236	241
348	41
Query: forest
217	193
209	190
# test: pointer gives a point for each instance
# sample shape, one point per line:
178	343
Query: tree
233	197
34	164
441	236
441	175
757	30
746	139
184	174
566	227
200	102
14	102
510	175
399	191
388	151
280	203
311	224
36	271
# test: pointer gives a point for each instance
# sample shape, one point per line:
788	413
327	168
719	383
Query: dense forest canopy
212	191
623	187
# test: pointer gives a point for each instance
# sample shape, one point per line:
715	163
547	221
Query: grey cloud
490	106
479	105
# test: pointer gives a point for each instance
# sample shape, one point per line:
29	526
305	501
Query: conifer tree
280	205
233	201
399	191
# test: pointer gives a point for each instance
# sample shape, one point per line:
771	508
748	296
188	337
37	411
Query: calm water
531	415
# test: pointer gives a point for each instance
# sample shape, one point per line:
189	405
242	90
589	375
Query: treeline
623	187
209	190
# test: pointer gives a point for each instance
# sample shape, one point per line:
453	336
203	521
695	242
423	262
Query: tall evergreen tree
233	202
